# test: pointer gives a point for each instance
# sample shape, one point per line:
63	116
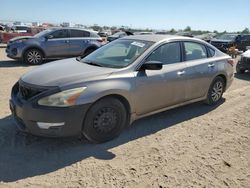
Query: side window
78	33
194	51
60	34
167	53
246	38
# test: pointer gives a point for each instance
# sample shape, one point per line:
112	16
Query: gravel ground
191	146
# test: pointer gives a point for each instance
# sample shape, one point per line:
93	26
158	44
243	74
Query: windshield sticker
139	44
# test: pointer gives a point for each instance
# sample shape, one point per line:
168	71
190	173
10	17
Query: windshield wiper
92	63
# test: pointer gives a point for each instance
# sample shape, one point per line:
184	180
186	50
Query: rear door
157	89
79	41
57	45
201	68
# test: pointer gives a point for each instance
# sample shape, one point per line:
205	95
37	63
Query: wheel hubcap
217	91
105	120
34	57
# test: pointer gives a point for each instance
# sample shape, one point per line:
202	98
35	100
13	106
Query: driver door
58	44
157	89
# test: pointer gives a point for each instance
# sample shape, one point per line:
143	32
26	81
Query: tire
105	120
33	57
215	91
239	70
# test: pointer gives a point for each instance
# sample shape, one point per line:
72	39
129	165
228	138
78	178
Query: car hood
65	72
20	38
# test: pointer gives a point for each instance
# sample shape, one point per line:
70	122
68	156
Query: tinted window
245	38
60	34
194	51
79	33
167	54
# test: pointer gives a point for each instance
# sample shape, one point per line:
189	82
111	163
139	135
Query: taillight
99	40
231	62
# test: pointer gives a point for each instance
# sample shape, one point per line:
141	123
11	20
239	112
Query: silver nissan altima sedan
127	79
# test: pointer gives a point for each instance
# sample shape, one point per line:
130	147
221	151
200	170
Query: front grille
246	60
26	92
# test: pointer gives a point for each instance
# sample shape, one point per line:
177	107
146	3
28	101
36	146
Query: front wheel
105	120
215	91
33	57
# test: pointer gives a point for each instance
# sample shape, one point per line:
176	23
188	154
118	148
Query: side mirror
49	37
151	65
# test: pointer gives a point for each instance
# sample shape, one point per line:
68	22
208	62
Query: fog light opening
43	125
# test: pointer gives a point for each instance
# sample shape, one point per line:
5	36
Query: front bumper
26	116
244	63
14	51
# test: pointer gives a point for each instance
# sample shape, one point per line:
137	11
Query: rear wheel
215	91
33	57
105	120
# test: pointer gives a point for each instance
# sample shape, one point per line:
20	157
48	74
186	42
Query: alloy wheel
34	57
217	91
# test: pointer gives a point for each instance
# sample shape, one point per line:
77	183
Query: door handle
180	73
66	41
211	65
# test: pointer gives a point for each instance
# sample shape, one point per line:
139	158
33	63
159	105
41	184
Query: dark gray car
123	81
53	43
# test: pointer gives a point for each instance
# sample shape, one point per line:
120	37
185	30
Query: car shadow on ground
244	76
18	63
12	63
24	156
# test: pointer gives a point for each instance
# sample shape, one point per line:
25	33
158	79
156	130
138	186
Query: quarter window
211	52
167	54
194	51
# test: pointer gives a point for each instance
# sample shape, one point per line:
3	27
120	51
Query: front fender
98	90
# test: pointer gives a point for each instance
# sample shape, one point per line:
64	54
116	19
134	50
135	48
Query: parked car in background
119	35
21	29
206	37
127	79
239	41
185	34
244	63
103	34
2	28
53	43
162	33
143	33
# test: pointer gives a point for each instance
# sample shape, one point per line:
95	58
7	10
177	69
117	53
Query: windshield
227	37
42	33
117	54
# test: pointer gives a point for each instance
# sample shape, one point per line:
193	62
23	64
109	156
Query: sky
211	15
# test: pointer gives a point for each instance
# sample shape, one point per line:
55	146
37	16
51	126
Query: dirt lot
192	146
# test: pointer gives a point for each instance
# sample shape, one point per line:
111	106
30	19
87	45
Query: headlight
20	41
62	99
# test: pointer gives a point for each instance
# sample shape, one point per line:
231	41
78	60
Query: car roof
155	38
75	28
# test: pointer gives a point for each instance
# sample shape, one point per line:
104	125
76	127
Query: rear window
79	33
